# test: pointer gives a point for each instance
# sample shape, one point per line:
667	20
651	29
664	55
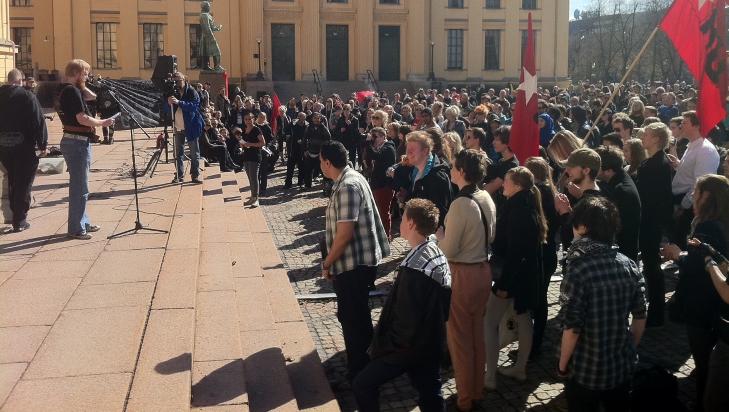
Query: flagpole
622	81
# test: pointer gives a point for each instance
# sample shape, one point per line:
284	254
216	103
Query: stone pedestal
216	80
258	88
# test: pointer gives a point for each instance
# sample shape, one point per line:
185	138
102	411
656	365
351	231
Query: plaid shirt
601	287
352	201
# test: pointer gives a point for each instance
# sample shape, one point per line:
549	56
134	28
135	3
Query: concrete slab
57	269
10	374
20	343
177	282
254	311
219	383
281	296
125	266
185	231
77	393
216	333
34	301
12	263
245	257
112	295
266	378
163	375
103	341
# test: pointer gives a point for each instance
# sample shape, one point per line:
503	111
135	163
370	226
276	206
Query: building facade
343	40
7	47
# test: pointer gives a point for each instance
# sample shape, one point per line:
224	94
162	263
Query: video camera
169	86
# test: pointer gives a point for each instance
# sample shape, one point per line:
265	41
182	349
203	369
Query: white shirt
701	158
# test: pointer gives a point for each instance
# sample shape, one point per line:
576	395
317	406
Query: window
106	46
389	1
195	59
20	3
455	4
493	4
337	1
524	36
154	43
493	50
455	49
529	4
22	37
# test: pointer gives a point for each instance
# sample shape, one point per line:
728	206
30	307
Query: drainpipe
556	36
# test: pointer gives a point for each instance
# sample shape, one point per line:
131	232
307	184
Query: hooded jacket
434	185
21	120
547	132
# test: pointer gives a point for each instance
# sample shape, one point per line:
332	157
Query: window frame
460	4
193	51
23	38
455	39
149	60
497	6
102	54
533	5
486	64
21	3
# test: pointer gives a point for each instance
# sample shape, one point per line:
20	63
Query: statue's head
205	6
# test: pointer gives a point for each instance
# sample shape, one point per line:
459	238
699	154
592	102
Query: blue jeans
194	155
77	154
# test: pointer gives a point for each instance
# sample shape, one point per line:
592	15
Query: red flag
524	139
363	95
275	114
697	30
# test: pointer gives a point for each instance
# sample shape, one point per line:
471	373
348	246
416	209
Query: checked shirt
601	287
352	201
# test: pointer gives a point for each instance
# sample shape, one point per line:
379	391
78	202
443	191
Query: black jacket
411	328
436	187
654	188
518	246
348	134
22	125
316	135
622	192
697	297
382	159
298	138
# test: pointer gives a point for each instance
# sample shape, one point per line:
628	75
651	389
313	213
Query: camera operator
188	126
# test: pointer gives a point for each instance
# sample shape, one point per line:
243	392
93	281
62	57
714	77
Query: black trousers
311	168
650	244
20	165
581	399
701	341
682	226
353	313
541	311
424	376
294	162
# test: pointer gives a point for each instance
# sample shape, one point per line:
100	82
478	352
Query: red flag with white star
524	140
697	30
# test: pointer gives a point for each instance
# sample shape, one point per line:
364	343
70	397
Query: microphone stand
138	226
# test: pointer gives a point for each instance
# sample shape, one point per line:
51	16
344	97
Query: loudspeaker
165	66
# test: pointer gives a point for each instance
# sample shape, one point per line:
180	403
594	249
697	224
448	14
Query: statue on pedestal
208	45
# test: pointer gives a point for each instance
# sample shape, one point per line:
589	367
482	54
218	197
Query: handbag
508	327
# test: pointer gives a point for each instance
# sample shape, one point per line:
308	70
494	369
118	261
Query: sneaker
81	236
93	228
24	225
177	180
513	372
255	203
196	180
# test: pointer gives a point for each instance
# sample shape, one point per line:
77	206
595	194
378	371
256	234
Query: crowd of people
609	199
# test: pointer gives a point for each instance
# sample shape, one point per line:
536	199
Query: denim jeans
77	154
252	169
194	155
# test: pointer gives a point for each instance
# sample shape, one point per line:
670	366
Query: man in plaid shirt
600	289
356	242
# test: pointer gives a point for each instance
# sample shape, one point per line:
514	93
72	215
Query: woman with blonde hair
636	111
451	146
452	123
562	145
78	128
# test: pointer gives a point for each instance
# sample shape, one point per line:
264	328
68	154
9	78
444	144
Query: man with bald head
22	130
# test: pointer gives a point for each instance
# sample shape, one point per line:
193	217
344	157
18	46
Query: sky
577	4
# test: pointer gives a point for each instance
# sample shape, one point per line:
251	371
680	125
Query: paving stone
12	263
57	269
245	258
76	393
162	379
34	301
285	308
216	327
104	341
177	282
219	383
185	231
112	295
19	343
125	266
10	374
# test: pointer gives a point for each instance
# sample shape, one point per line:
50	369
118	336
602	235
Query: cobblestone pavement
296	219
